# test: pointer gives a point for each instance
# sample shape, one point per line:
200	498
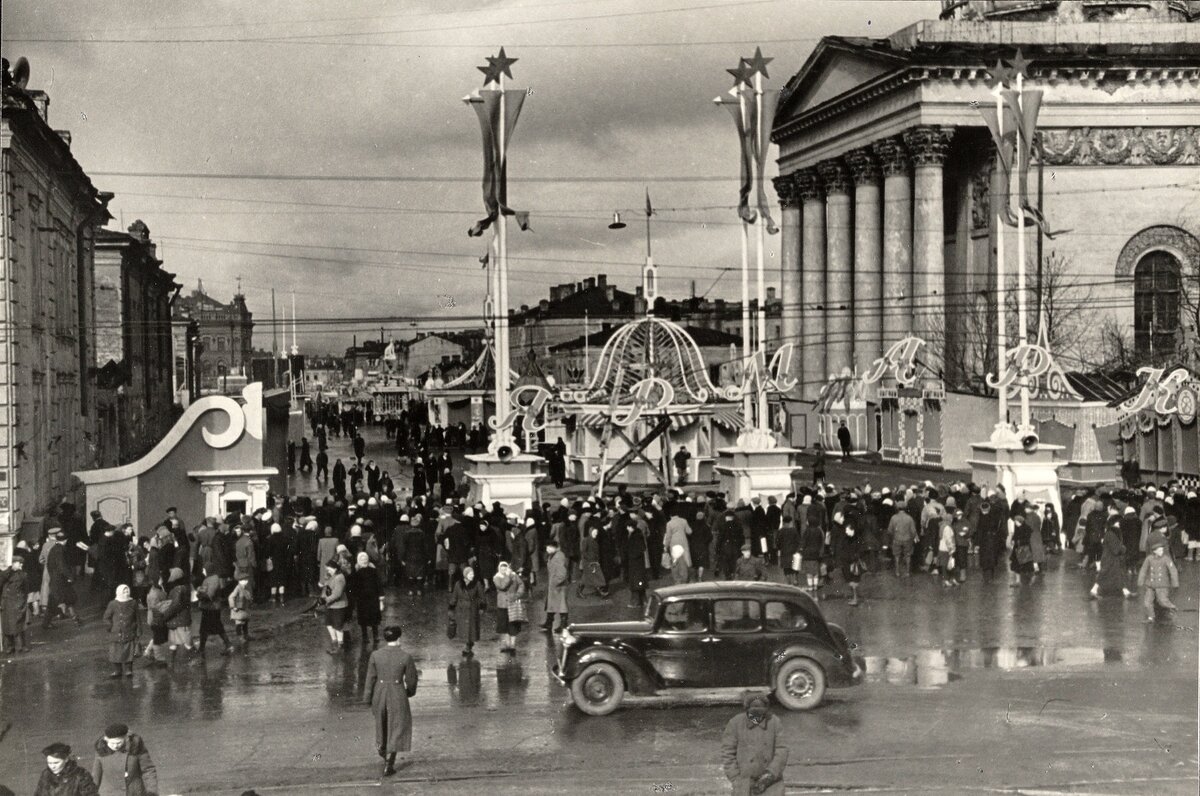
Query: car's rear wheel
800	684
598	689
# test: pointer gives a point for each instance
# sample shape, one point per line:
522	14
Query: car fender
637	679
838	670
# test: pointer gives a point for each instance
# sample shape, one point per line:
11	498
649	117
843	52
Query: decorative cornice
835	175
893	157
863	166
808	185
928	144
1121	146
787	190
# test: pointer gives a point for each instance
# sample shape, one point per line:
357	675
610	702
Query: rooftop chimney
770	295
589	283
601	280
543	305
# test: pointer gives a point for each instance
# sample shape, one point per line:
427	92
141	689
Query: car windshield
651	609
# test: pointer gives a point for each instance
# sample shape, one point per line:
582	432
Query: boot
389	765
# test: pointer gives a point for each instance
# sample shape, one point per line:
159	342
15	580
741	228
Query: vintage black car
721	634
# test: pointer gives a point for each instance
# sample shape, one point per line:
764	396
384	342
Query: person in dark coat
843	435
367	593
990	534
339	479
788	540
637	564
122	758
729	544
122	618
847	551
700	545
591	573
14	608
360	446
812	551
391	682
818	465
1110	579
556	588
418	478
63	776
414	555
467	603
110	559
1020	560
58	588
279	562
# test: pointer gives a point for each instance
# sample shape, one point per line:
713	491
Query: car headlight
568	639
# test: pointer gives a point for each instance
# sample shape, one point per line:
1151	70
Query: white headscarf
123	595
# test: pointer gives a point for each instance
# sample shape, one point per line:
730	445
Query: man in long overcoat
556	587
391	681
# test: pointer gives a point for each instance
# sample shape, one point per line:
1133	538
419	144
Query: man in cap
391	682
752	756
123	760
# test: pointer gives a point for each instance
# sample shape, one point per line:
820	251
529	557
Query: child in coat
1157	577
240	600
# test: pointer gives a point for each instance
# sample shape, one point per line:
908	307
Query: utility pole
274	342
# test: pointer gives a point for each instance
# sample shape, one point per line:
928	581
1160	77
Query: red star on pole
1020	65
497	65
742	73
758	64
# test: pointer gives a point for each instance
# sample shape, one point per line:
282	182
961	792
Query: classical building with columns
886	188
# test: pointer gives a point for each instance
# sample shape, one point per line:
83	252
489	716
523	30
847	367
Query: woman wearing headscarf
121	618
752	756
467	601
511	611
368	597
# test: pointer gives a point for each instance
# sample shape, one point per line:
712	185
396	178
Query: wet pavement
975	689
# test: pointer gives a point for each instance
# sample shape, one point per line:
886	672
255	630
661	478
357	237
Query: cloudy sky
367	96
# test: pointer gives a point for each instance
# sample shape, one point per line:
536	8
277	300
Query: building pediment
837	66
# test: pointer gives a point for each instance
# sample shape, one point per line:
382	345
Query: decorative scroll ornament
651	395
901	359
1034	366
775	377
1167	392
528	401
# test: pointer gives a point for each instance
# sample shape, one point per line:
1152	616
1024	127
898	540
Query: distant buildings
224	346
413	358
134	351
52	212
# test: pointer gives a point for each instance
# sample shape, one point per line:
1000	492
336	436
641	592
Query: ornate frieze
808	185
1122	146
835	175
787	190
927	144
863	166
893	157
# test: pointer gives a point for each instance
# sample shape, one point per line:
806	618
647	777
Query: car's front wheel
800	684
598	689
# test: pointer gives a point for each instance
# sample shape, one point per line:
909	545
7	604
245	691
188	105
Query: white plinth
1023	474
749	473
511	483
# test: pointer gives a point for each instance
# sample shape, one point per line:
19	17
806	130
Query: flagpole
502	352
747	403
1001	314
761	244
1022	321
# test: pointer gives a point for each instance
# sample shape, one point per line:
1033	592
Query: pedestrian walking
210	602
58	587
123	766
336	602
121	617
467	602
14	607
752	756
63	776
391	683
1157	577
156	603
591	572
843	435
788	541
818	465
511	612
178	612
240	600
637	563
367	591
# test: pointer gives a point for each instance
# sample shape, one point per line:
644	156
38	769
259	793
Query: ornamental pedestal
751	469
1029	474
510	481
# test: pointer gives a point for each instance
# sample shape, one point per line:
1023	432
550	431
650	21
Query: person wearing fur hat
752	756
122	764
467	603
391	682
1157	577
63	776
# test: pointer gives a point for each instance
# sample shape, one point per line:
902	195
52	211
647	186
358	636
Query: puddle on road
935	668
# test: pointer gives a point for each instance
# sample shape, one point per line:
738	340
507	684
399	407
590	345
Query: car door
676	647
784	623
735	646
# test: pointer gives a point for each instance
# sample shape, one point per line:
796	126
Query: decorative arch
1162	237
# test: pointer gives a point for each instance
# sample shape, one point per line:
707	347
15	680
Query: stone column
789	264
927	145
839	265
897	240
868	265
812	276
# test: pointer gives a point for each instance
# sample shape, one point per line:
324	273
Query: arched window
1156	288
